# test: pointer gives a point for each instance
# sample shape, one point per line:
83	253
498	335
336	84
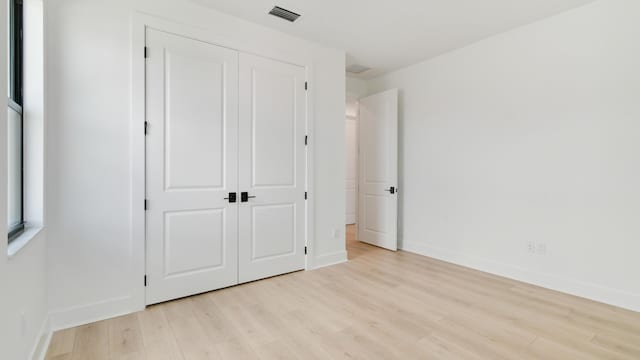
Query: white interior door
192	145
272	167
378	210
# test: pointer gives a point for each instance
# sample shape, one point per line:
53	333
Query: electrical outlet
336	233
531	247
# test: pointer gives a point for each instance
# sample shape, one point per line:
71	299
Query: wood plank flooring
379	305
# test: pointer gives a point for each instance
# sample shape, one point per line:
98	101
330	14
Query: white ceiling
389	34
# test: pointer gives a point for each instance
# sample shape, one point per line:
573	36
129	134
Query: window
15	126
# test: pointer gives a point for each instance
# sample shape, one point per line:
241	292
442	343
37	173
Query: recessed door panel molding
378	180
186	251
195	126
274	113
376	207
192	165
272	167
268	241
375	142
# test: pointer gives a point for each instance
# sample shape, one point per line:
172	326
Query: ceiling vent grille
284	14
357	69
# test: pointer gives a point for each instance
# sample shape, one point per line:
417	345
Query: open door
378	190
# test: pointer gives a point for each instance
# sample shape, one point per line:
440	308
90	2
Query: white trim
139	23
39	351
86	314
23	240
310	203
137	161
335	258
570	286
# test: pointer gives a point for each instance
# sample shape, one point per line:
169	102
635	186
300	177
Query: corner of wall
89	313
39	351
330	259
565	285
356	88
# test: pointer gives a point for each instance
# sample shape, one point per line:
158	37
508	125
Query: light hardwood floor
379	305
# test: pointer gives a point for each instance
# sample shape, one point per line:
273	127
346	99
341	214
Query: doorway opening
371	169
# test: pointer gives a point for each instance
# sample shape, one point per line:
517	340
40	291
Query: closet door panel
272	167
192	165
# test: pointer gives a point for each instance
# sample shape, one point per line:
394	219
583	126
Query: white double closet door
221	122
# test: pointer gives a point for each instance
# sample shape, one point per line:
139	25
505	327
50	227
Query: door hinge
305	250
306	85
145	280
306	140
146	127
146	205
305	195
146	52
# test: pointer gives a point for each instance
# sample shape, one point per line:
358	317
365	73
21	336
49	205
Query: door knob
391	190
232	197
244	196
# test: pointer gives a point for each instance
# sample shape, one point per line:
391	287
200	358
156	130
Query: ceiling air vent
284	14
357	69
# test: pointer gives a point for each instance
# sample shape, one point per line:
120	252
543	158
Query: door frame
215	36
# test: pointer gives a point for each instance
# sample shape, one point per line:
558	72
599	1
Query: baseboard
589	291
39	351
86	314
330	259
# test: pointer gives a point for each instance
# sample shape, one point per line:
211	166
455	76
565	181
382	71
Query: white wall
356	88
530	136
23	290
89	109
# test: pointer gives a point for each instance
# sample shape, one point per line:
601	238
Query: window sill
23	240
